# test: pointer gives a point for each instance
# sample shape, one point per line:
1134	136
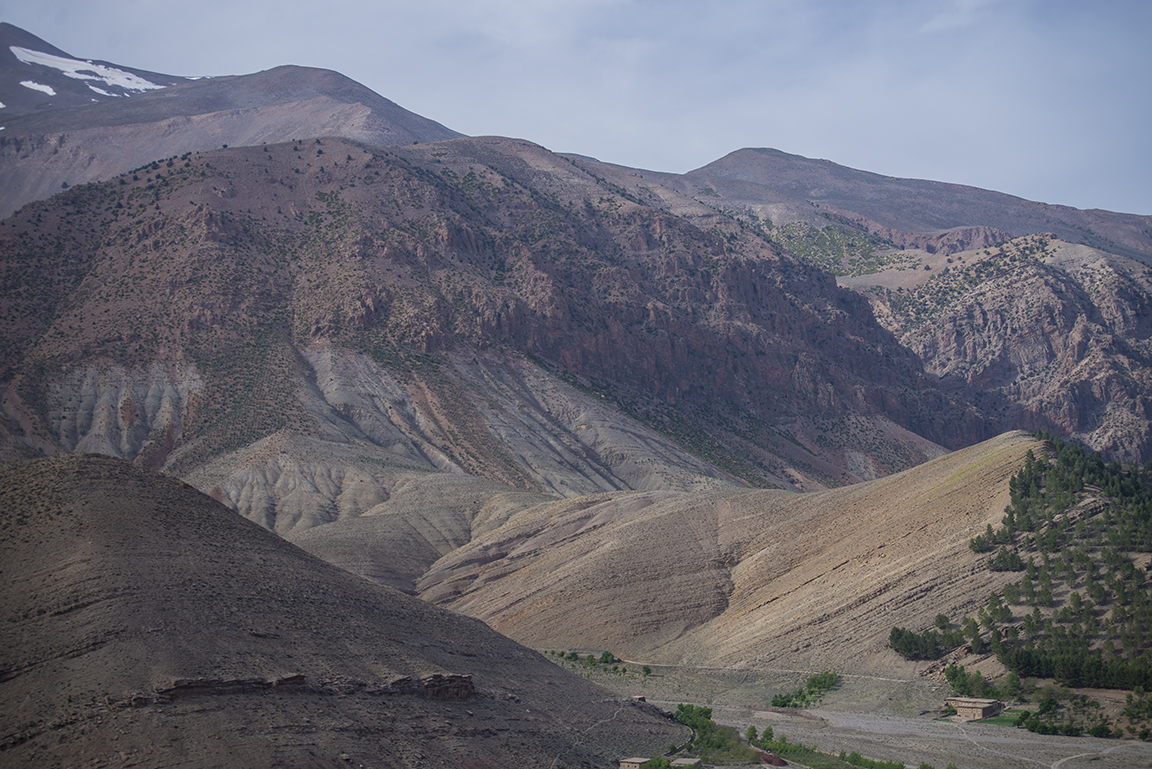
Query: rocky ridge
223	280
1039	333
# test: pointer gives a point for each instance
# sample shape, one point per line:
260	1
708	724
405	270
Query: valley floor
916	740
879	718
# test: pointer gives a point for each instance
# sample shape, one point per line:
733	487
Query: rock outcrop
1052	336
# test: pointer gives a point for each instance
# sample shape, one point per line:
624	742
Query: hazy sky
1050	100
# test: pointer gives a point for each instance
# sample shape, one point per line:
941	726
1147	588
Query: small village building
971	709
632	763
694	762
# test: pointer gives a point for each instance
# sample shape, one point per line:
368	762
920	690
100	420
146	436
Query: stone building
971	709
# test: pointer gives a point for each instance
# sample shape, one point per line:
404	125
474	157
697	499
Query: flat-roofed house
972	709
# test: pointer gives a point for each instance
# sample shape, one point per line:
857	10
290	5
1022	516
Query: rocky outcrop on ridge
1040	334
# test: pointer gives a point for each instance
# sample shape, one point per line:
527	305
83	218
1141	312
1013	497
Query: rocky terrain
145	623
850	222
743	420
397	298
882	236
1038	332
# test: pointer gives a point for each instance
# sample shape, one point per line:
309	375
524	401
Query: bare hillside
785	187
145	623
48	150
478	305
741	577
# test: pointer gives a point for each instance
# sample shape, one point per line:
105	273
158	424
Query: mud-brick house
632	763
690	762
971	709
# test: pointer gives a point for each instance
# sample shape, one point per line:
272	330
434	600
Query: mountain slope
742	577
146	623
74	140
783	187
1056	344
406	299
1038	332
36	76
837	218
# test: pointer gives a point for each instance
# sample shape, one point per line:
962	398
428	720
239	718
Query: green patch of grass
1006	718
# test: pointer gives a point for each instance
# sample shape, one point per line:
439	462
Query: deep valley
331	436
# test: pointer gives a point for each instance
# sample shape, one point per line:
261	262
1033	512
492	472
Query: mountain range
711	418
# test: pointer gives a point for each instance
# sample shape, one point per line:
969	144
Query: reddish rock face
1057	343
241	258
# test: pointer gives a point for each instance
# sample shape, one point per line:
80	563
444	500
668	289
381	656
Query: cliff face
1050	335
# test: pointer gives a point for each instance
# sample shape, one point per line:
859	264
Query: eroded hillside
144	622
750	578
477	305
1038	332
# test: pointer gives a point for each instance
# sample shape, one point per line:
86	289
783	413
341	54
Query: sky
1050	100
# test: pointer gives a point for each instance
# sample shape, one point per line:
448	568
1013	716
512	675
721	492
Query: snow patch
2	105
100	91
85	70
37	87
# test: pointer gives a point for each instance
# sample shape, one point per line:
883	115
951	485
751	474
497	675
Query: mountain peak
36	75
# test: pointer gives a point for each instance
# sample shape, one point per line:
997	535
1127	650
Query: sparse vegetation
1080	530
926	302
815	688
835	247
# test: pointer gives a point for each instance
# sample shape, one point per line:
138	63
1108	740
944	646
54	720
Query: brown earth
234	293
739	578
530	387
146	624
